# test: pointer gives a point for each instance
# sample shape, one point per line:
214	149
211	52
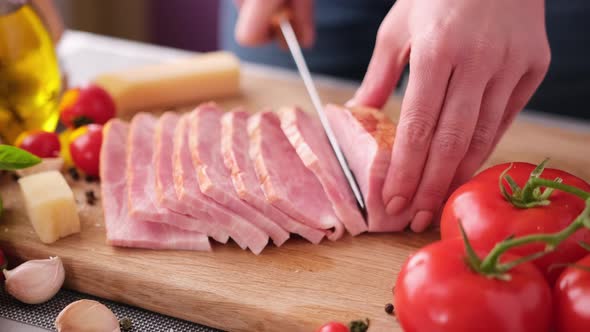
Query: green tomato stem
539	182
490	262
529	197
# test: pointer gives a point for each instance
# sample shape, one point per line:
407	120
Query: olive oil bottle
30	79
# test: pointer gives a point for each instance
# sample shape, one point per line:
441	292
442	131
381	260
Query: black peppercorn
74	173
90	197
90	178
389	308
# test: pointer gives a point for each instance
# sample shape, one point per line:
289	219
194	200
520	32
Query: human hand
474	64
255	20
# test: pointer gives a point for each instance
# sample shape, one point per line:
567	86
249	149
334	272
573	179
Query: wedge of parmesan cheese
50	205
180	82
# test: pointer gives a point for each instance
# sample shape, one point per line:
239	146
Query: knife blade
297	54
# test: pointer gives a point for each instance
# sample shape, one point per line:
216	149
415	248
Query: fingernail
396	205
421	220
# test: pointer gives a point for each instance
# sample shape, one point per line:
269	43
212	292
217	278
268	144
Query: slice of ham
366	138
214	178
285	181
187	190
121	228
141	175
234	146
307	137
165	193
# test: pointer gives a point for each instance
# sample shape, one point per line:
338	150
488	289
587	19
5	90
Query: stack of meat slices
175	181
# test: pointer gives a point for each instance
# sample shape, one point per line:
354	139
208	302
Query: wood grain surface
293	288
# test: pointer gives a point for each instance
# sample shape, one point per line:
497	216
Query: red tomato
81	106
333	327
437	291
572	298
489	218
43	144
85	148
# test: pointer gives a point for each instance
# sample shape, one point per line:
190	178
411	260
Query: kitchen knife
293	44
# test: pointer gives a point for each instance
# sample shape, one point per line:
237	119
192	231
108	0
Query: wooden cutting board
293	288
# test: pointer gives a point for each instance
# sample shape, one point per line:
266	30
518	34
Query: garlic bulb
86	316
35	281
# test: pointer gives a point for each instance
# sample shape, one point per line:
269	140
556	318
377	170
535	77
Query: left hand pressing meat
473	66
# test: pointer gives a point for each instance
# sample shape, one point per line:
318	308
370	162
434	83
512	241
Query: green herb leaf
13	158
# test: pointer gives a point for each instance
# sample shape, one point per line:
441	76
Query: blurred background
186	24
206	25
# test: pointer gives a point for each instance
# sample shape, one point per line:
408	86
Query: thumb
390	56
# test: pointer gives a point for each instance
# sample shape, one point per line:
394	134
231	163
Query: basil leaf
13	158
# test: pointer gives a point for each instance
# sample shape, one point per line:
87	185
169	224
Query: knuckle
433	193
487	52
542	61
437	45
482	139
451	143
417	129
384	35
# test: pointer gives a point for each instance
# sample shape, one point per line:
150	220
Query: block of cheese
50	204
177	83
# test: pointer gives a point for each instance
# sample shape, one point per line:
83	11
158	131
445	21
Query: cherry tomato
85	148
572	298
489	218
437	291
333	327
43	144
82	106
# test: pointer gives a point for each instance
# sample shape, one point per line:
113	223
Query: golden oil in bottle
30	81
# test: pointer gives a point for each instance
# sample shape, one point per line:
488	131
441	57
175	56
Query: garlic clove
86	316
35	281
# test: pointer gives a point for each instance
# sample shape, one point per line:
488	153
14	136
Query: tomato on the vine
82	106
43	144
436	290
333	327
488	217
85	148
572	298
